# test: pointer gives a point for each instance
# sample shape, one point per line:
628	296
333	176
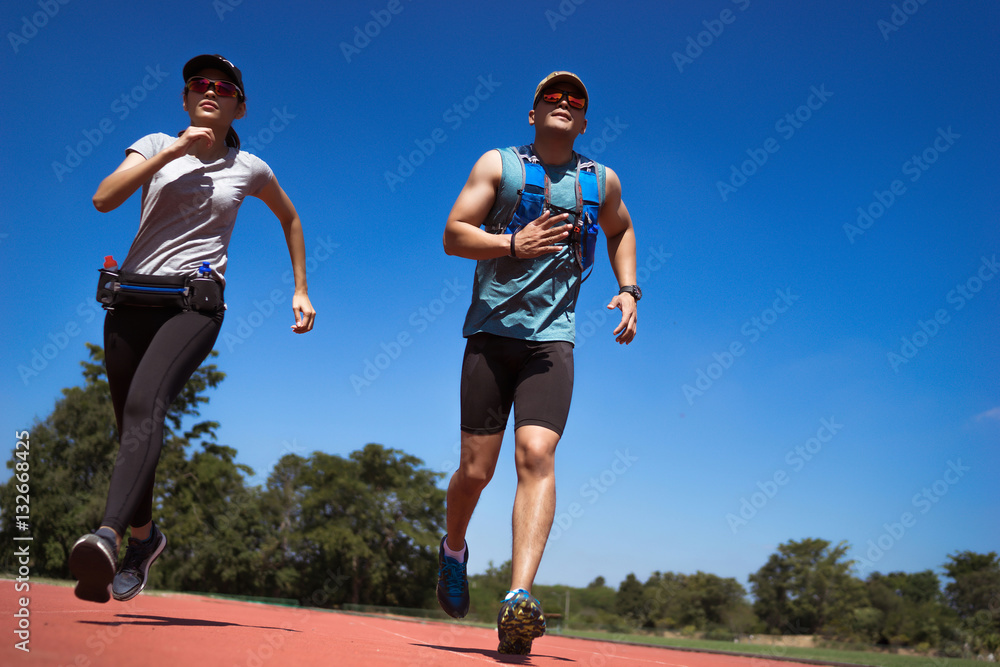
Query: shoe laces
137	552
454	576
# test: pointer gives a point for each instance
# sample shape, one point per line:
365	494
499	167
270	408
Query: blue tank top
529	299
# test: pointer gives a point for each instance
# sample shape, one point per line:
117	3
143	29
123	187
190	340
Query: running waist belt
122	288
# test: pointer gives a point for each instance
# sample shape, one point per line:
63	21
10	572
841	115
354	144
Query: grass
825	655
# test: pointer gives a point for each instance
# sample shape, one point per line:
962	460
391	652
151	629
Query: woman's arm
274	196
136	169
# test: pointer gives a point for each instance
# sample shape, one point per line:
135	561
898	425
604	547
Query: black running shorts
535	377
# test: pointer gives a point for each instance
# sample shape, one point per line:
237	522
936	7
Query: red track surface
191	631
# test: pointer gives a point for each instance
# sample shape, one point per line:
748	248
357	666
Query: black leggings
150	353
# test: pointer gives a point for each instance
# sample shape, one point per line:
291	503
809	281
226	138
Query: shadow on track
141	619
499	657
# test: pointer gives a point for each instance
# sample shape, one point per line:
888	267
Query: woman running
165	307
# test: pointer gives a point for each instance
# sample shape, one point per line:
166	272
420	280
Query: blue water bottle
206	291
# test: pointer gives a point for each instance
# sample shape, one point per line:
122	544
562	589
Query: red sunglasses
555	96
200	85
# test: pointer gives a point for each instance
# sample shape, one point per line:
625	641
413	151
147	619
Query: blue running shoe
140	554
92	561
519	622
453	583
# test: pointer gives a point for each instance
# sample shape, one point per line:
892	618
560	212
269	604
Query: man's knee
474	477
536	452
478	460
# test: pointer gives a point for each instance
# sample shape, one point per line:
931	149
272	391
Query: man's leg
541	405
534	502
521	620
475	470
487	391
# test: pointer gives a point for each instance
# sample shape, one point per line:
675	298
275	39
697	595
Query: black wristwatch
633	290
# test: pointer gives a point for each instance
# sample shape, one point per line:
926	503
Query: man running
541	206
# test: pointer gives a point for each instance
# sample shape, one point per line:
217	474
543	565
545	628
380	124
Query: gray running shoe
131	576
92	562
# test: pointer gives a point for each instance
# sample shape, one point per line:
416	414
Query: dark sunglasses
555	96
200	85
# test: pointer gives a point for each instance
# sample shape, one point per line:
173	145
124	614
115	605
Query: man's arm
463	235
617	225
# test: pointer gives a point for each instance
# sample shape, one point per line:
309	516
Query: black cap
216	61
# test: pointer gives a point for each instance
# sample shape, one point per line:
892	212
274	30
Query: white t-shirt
189	209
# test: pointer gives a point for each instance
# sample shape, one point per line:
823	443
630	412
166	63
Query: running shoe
140	554
92	561
519	622
453	583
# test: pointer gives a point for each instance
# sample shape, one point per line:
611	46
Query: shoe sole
446	606
518	626
135	590
91	567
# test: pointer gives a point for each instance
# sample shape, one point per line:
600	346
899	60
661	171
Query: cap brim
207	61
560	77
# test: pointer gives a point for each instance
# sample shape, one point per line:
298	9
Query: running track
181	630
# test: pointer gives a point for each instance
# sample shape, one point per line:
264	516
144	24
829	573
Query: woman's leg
179	346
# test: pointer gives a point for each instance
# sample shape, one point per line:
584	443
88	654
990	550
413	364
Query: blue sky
814	193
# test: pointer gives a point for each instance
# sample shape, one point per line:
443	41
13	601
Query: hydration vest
533	197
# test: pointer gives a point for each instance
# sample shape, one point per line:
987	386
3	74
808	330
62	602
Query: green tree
630	602
361	530
974	594
904	610
703	601
664	592
806	588
713	602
